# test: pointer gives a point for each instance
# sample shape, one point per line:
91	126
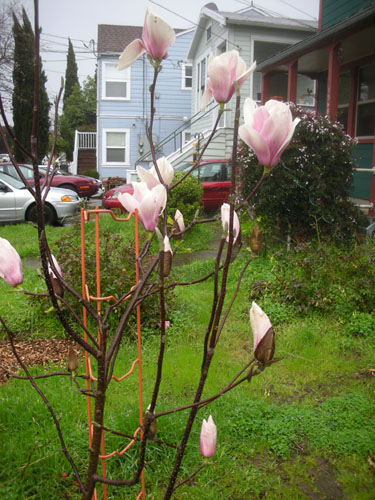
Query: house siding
335	11
172	104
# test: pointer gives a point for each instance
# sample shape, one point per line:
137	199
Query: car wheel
49	215
69	186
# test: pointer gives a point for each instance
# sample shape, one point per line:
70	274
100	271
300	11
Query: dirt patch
34	352
323	484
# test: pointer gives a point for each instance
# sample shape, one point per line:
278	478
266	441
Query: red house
340	58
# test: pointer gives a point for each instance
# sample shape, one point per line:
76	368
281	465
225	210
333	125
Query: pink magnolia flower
263	334
208	437
267	130
223	71
157	36
151	178
149	203
10	264
225	212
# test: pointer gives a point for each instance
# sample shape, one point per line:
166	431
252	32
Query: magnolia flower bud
256	238
167	258
208	437
72	360
264	337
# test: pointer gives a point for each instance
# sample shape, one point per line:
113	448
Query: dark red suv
213	174
83	185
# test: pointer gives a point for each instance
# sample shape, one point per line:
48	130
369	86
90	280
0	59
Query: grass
301	429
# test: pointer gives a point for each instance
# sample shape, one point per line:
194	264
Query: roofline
321	38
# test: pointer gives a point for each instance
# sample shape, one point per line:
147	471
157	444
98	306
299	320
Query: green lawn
304	428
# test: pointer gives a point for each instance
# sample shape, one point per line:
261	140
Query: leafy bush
325	278
307	194
186	197
91	173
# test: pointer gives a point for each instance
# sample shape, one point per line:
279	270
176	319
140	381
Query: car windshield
16	183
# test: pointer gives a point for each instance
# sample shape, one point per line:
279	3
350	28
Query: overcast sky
79	19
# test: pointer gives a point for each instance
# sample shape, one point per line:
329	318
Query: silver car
17	203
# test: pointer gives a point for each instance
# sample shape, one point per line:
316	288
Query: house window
366	102
201	80
209	33
343	102
187	76
220	49
116	146
116	84
186	136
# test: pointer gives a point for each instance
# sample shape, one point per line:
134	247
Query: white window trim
183	76
361	103
126	131
124	76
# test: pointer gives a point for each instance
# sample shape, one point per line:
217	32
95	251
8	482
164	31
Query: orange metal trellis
85	216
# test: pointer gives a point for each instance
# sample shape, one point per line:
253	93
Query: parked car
17	204
83	185
213	174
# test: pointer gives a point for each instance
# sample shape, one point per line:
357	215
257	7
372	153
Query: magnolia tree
268	130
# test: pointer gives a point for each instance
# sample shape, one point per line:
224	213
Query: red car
83	185
213	174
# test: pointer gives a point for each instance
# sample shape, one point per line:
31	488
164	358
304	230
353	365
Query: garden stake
90	378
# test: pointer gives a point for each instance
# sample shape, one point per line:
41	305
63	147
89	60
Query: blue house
123	109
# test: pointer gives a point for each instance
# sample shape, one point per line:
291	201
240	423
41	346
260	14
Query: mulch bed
34	352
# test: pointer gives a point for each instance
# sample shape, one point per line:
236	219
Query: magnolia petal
157	35
147	177
287	140
249	109
256	142
243	76
128	202
10	264
220	83
131	53
205	99
166	170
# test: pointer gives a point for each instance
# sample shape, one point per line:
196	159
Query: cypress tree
71	73
23	91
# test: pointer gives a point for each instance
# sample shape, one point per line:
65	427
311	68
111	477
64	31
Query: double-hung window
116	146
201	80
366	102
187	76
116	84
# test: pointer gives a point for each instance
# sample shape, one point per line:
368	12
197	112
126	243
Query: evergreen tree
71	73
79	114
23	91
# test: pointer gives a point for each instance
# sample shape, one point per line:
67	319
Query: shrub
186	197
325	278
91	173
117	272
307	194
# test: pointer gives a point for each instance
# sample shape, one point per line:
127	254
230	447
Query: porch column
333	82
292	81
265	89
